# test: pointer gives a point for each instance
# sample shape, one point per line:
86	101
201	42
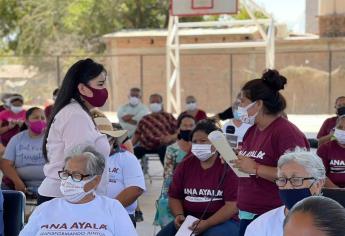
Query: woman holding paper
270	137
204	188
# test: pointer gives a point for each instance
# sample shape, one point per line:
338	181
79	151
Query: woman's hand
245	164
199	228
179	221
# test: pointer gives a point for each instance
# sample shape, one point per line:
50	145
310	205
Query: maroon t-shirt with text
333	157
195	186
327	127
258	195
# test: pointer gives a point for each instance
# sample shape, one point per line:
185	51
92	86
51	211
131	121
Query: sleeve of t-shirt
323	130
123	224
120	113
32	227
322	153
10	151
289	140
132	172
143	112
176	187
227	114
71	132
230	186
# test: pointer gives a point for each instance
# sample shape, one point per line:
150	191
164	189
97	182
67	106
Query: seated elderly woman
315	216
333	156
81	211
301	174
205	188
23	160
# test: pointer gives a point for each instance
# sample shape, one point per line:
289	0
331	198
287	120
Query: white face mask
202	151
156	107
16	109
339	135
134	101
191	106
73	191
242	114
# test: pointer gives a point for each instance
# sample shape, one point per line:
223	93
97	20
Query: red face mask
99	98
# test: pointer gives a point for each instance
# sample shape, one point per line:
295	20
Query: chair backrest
14	212
336	194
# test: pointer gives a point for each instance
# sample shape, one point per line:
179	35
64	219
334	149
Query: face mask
339	135
191	106
134	101
242	113
99	98
156	107
74	191
202	151
184	135
291	196
38	126
16	109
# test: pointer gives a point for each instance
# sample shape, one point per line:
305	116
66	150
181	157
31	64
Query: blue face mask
291	196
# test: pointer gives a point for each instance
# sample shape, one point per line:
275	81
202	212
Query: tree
63	26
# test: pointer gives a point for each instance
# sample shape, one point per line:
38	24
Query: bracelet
257	169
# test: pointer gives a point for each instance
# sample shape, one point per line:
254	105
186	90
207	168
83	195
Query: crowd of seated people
85	174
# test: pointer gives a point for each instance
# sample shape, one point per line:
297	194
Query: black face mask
184	135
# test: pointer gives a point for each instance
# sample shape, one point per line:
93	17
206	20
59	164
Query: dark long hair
80	72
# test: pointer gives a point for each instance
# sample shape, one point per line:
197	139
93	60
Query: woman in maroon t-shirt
333	156
270	137
205	188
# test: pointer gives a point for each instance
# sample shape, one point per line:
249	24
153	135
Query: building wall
311	23
315	70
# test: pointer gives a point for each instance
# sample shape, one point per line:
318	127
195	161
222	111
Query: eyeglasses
77	177
294	181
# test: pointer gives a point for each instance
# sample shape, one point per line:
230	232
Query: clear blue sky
292	12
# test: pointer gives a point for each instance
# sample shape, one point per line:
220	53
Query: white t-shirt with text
124	171
268	224
102	217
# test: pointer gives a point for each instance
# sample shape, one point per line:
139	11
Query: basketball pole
173	46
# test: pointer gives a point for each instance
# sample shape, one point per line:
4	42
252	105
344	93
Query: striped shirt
153	127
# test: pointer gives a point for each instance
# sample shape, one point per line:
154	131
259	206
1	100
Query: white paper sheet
220	142
184	229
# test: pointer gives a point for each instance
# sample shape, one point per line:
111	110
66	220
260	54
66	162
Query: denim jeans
227	228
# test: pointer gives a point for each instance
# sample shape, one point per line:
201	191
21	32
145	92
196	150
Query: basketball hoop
203	7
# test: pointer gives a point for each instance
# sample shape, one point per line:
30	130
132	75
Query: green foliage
64	26
243	15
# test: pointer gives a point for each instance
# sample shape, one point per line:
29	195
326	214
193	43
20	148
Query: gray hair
95	161
311	162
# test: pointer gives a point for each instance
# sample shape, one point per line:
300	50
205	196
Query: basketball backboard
203	7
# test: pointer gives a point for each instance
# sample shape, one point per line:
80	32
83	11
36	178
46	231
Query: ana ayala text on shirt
332	154
80	211
23	160
301	174
271	135
205	188
83	88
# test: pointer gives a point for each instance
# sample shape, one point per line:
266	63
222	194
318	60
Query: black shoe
139	216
